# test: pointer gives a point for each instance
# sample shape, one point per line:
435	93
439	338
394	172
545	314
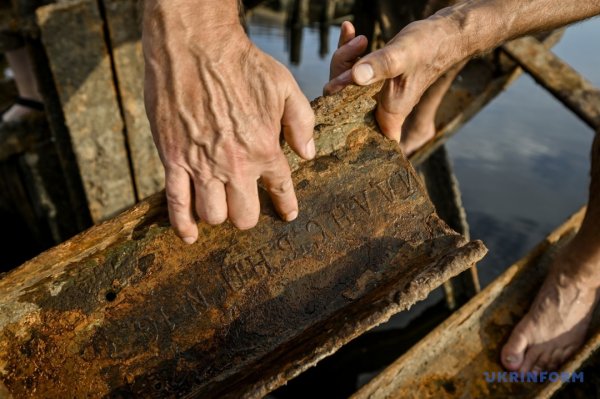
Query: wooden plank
10	35
73	37
450	361
565	83
16	138
127	309
124	24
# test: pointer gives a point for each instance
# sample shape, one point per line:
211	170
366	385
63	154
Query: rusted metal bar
565	83
451	360
126	308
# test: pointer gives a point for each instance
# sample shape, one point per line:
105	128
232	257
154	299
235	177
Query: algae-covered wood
126	308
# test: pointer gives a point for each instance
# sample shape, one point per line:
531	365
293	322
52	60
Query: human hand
216	106
411	62
349	49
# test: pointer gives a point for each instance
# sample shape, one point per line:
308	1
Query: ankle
580	263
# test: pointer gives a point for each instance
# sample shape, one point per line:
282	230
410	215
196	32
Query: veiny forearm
484	24
176	23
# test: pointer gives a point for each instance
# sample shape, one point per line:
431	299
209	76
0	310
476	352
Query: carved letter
363	202
169	322
285	244
197	299
385	187
262	261
341	216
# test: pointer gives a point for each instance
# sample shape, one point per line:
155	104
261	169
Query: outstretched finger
179	202
347	33
278	182
298	122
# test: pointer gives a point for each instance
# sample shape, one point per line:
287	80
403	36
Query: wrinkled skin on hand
410	63
216	110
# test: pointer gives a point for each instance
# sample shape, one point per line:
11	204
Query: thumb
382	64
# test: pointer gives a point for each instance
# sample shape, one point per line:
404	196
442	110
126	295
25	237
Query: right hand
216	106
411	62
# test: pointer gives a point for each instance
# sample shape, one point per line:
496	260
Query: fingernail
310	149
291	216
511	359
363	73
189	240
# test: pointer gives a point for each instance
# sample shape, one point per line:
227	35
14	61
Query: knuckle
176	200
282	186
388	62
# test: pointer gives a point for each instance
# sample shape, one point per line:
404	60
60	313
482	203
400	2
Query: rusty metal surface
566	84
73	37
451	360
127	308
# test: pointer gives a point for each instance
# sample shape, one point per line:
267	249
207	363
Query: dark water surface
522	162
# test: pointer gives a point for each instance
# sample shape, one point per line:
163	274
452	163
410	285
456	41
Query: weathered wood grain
73	37
566	84
126	308
124	24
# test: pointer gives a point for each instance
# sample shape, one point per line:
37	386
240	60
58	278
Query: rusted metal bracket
565	83
126	308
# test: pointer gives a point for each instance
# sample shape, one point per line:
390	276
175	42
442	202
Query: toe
531	359
513	351
544	360
560	356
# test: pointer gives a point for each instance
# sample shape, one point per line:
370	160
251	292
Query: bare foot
557	321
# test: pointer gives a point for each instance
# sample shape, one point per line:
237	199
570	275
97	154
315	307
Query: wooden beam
74	42
126	308
123	18
556	76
